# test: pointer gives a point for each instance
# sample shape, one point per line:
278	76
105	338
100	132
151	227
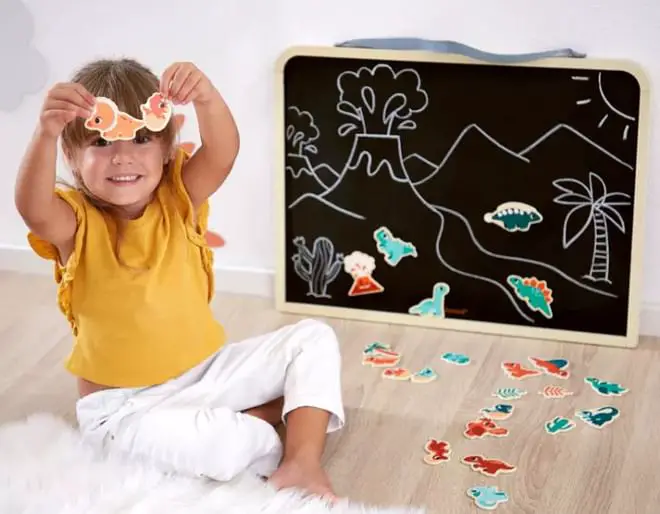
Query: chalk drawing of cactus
319	267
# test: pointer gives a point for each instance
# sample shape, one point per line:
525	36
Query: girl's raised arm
46	215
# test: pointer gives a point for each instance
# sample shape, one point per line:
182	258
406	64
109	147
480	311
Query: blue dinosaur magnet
498	412
376	347
424	376
534	292
393	248
456	358
487	497
599	418
434	306
558	425
606	388
514	216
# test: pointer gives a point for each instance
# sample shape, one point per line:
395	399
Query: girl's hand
64	102
183	82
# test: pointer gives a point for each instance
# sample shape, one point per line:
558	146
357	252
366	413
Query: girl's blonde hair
125	81
129	84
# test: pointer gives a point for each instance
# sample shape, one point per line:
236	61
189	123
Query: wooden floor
377	458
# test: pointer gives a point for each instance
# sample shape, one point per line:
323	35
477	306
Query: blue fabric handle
453	47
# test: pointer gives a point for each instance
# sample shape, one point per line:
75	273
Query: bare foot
301	475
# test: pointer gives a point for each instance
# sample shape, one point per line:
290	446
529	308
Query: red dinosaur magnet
483	427
488	467
437	452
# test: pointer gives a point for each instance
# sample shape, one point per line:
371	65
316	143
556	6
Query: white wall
237	50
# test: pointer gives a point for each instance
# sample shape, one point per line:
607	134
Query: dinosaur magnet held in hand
115	125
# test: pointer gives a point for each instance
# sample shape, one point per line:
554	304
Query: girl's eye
100	142
140	140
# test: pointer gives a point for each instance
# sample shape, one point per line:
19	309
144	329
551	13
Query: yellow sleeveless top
144	318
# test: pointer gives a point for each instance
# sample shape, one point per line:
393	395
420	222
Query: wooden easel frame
630	340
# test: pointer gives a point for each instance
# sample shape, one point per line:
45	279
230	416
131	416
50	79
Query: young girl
157	379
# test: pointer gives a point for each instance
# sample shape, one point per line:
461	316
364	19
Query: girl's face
122	173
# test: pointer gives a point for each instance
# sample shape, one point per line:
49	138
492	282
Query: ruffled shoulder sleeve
198	219
46	249
65	271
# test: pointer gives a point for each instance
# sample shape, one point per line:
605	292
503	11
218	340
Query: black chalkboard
427	189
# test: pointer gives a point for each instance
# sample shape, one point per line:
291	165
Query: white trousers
193	424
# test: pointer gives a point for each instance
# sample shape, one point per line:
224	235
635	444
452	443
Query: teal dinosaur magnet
424	376
498	412
456	358
393	248
514	216
487	497
434	306
558	425
534	292
600	417
606	388
377	347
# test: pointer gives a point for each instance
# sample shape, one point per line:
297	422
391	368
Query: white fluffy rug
45	468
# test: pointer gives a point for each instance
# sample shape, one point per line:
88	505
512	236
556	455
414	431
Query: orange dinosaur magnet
112	123
115	125
380	361
156	112
484	427
517	371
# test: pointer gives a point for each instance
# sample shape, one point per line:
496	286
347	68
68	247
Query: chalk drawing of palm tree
593	206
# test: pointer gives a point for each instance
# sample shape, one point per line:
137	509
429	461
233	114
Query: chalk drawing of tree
301	131
377	98
592	206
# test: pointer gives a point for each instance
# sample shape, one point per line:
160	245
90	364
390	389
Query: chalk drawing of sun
610	109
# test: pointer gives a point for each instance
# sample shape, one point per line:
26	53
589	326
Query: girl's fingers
62	105
166	79
59	114
69	96
187	91
179	79
86	96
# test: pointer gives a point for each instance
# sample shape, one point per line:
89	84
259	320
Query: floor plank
378	457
